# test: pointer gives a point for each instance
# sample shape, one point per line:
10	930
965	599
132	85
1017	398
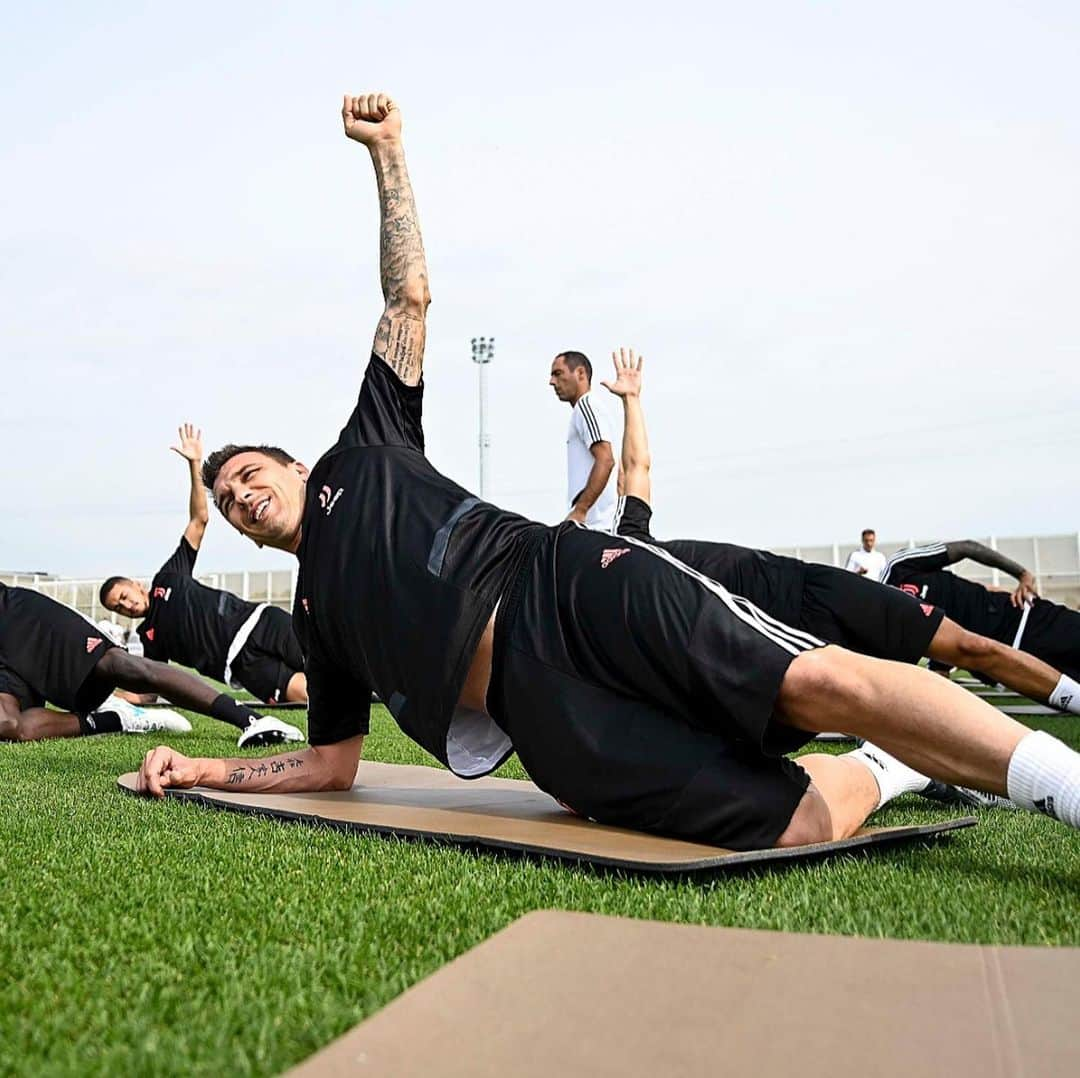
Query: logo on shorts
910	589
927	609
328	498
91	643
150	635
609	556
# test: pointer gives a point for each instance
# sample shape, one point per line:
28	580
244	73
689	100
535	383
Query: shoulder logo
328	498
608	556
92	642
304	604
150	634
162	593
927	609
910	589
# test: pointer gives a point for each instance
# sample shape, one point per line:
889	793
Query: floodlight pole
483	352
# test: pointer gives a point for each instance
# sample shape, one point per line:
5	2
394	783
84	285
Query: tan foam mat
573	994
509	815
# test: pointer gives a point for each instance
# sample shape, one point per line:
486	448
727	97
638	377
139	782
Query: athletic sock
99	722
1066	695
233	712
1044	776
893	778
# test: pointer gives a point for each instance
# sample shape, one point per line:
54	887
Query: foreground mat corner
575	994
510	815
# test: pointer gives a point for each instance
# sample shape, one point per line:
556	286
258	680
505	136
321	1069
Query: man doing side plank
634	689
248	645
838	606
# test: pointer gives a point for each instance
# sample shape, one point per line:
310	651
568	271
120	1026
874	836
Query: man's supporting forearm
399	338
289	772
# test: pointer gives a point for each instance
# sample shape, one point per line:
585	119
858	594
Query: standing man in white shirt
867	562
592	478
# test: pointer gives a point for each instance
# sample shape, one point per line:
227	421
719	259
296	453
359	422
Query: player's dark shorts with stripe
270	656
864	616
1052	634
642	695
49	652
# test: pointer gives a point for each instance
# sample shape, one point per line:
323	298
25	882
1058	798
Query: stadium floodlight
483	352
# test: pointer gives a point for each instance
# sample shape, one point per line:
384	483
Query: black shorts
641	694
1052	634
873	619
270	657
49	652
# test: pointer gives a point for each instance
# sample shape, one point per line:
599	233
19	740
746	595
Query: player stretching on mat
633	689
50	652
838	606
1021	619
247	645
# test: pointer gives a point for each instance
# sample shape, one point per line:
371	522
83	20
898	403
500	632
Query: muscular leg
35	723
932	725
297	688
1016	669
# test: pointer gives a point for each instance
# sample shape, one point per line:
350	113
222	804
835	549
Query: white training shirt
873	561
590	424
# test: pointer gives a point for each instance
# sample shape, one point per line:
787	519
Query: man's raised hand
190	447
627	373
371	118
164	768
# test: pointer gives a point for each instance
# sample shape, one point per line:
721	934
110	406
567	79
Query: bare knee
975	650
822	683
122	668
10	727
296	690
810	822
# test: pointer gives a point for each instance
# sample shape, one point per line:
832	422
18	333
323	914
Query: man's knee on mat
810	822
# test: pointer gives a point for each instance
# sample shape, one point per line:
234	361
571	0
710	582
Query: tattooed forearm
399	338
258	769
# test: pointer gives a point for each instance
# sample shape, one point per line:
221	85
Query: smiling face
263	498
129	598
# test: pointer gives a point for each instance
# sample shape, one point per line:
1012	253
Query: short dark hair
108	586
866	532
575	360
220	457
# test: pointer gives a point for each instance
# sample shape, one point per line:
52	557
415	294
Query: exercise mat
575	994
509	815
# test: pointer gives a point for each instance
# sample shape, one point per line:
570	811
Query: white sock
1044	776
1066	695
893	778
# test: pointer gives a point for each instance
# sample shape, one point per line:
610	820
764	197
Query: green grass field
156	938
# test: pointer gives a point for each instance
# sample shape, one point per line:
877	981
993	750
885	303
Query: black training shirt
400	570
188	622
769	581
976	608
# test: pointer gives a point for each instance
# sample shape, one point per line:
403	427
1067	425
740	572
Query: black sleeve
388	412
635	519
339	706
182	559
925	559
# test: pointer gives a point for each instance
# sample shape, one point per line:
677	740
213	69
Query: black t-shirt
188	622
400	570
989	613
769	581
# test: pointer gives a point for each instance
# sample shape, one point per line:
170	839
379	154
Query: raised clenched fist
371	118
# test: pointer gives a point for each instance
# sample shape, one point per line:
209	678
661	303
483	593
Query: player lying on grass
247	645
634	689
838	606
1019	620
49	652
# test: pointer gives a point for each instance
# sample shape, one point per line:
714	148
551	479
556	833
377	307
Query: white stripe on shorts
907	555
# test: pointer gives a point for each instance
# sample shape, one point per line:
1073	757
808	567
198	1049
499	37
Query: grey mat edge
893	836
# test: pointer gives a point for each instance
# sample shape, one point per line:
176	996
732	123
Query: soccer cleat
141	720
947	794
267	731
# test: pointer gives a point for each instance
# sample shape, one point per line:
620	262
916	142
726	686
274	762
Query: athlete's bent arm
636	461
321	767
993	559
190	448
375	121
603	462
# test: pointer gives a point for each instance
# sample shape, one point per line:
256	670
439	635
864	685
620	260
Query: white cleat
268	731
141	720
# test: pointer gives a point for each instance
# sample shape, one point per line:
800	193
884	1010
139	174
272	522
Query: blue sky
844	236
